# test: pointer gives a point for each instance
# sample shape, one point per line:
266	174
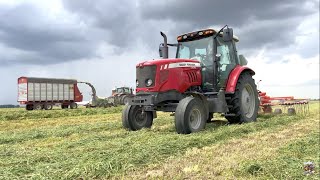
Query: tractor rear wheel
121	97
190	116
125	99
133	118
244	101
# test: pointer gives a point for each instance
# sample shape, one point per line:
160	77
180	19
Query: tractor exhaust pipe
163	48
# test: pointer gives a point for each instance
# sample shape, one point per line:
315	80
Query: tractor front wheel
190	116
134	118
244	101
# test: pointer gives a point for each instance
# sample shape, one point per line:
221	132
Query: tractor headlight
149	82
137	83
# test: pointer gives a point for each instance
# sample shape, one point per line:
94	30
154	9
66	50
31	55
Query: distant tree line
9	106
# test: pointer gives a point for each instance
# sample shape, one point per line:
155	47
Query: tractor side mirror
227	34
242	60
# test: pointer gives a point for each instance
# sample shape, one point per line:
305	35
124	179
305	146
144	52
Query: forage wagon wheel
37	106
244	101
29	107
48	106
190	116
73	105
134	119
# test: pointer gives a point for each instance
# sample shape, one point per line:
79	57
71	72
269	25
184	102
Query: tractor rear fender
234	76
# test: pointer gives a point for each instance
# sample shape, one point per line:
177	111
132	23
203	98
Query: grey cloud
43	41
272	34
207	12
271	24
124	24
117	19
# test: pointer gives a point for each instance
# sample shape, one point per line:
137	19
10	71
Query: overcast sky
101	41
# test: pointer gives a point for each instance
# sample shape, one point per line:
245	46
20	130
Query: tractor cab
216	56
122	90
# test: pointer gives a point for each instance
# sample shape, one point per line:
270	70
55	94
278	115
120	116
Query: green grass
21	114
290	161
91	143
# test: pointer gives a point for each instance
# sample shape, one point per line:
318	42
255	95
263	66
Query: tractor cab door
227	61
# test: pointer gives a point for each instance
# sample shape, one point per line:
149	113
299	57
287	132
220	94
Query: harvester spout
94	93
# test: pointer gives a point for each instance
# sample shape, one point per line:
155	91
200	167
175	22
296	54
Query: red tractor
207	76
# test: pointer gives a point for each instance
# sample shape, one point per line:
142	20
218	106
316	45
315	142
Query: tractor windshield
123	90
119	90
201	50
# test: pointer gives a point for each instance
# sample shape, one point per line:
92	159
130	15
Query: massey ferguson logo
187	64
184	64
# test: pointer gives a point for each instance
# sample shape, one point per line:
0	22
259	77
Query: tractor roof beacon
207	76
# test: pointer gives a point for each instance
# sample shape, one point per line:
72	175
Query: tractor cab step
210	93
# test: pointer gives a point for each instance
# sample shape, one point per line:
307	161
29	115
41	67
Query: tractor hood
161	75
166	61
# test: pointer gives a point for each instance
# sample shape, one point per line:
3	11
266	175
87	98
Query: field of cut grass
91	143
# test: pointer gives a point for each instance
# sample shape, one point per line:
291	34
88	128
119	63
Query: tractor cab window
126	90
200	50
184	52
227	62
119	90
123	90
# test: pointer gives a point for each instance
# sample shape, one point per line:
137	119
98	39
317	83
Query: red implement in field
286	103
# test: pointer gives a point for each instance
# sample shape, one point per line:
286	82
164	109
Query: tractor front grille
192	75
146	72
